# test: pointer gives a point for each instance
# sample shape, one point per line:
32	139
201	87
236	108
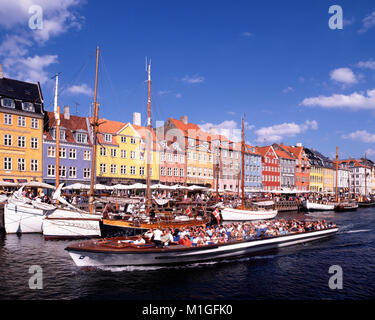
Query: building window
28	106
34	165
86	173
169	172
175	172
8	119
7	163
8	103
113	152
62	171
51	152
51	172
21	142
123	154
62	153
81	137
181	172
182	159
107	137
72	172
103	168
34	143
162	171
7	140
34	123
72	154
123	169
103	151
113	168
123	139
132	154
21	164
87	155
141	171
189	171
132	170
132	140
21	122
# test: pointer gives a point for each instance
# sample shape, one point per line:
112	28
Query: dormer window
62	134
107	137
81	137
28	106
7	103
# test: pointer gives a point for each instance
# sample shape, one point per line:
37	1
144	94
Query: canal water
293	273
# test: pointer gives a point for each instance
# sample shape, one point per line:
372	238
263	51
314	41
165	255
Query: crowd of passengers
220	234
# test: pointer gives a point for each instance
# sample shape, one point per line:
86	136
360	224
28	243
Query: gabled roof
264	150
71	125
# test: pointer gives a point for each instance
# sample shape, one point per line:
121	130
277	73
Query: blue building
253	170
76	150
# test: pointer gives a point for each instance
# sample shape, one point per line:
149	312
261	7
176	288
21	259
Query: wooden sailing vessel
154	215
243	212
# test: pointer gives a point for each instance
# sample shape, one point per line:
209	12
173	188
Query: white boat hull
231	214
84	258
22	218
71	224
314	206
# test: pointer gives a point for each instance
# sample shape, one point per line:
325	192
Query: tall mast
57	118
243	162
95	126
365	176
337	169
149	127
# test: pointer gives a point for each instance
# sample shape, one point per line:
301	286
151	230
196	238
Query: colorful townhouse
197	146
360	169
287	163
21	130
316	170
270	169
226	163
121	153
253	169
302	167
75	149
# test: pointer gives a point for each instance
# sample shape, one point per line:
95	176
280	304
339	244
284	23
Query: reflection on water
292	273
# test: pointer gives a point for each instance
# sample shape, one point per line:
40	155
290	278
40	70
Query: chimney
66	113
1	71
212	130
137	118
184	119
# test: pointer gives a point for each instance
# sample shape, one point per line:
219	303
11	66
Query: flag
216	214
188	211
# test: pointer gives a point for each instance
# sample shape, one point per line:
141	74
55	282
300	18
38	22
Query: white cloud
355	101
344	75
361	135
278	132
228	128
370	64
289	89
178	95
367	23
81	89
247	34
193	79
370	152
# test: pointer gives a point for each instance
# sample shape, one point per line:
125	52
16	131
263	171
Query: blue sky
277	61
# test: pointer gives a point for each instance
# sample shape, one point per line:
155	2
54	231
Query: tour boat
121	251
346	206
259	210
364	204
318	206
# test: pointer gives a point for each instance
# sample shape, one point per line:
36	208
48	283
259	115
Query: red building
302	167
172	163
270	168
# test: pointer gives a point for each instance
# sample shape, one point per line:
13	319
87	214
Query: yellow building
121	154
329	175
21	131
316	179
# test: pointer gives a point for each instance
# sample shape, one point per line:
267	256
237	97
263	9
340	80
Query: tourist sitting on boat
185	241
140	240
156	237
166	238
